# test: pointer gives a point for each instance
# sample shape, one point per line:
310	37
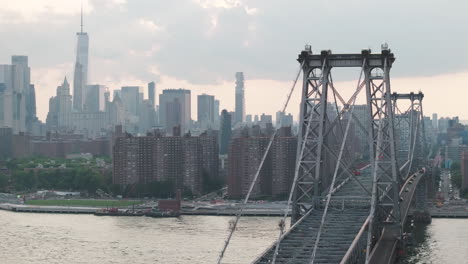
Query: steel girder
414	143
311	133
385	204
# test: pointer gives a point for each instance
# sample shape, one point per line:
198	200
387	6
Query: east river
444	241
59	238
54	238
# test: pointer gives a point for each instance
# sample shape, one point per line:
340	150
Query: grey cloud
427	38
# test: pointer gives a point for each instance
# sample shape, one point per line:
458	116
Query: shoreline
20	208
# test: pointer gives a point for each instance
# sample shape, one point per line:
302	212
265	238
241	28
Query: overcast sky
199	45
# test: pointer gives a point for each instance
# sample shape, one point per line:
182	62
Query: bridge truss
338	215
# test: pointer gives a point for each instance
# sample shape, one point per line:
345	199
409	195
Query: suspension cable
296	176
340	155
254	180
378	149
413	145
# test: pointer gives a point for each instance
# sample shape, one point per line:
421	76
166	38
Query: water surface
55	238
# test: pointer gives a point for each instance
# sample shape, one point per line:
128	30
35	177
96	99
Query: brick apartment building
182	160
245	154
53	145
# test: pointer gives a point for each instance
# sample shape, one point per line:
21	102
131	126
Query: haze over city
198	45
233	131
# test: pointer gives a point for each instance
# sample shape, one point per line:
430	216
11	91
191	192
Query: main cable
332	184
252	184
296	176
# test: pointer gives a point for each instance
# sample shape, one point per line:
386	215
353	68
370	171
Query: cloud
203	43
149	25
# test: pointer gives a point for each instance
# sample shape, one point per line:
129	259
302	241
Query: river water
444	241
54	238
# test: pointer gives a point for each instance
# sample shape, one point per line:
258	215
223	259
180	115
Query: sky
200	44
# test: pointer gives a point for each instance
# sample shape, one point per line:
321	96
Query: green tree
4	182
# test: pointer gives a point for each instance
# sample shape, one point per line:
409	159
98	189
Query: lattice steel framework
385	204
414	143
313	148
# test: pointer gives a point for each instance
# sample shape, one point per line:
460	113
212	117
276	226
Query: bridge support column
421	212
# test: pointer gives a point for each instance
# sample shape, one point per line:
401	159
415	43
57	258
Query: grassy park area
88	203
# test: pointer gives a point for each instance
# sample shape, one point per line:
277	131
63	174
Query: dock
276	213
48	209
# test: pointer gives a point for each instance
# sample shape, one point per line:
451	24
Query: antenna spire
81	17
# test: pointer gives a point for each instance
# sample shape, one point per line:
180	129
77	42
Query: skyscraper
95	98
240	104
80	78
152	94
16	95
435	121
60	108
206	109
265	119
132	97
175	109
225	132
25	86
216	113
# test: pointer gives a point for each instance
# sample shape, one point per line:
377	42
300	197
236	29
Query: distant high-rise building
279	117
146	118
248	119
265	119
216	113
152	94
443	124
17	110
435	121
283	120
28	90
6	143
80	78
225	132
240	99
175	109
245	155
131	98
361	112
60	107
206	111
95	98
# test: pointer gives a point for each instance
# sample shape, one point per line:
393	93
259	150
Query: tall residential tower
240	104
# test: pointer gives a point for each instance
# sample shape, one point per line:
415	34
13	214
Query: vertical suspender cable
252	184
343	144
296	176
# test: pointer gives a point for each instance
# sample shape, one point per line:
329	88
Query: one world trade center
81	69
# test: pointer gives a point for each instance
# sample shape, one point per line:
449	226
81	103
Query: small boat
117	212
158	214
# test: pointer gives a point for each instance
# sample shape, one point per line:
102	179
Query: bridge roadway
345	217
384	250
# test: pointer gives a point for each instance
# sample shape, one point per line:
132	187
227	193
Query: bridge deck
384	250
344	219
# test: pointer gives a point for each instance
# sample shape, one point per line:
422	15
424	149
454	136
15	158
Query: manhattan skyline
133	46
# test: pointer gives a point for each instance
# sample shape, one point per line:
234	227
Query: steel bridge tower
339	215
314	152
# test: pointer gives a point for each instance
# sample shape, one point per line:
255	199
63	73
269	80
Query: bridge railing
357	250
273	245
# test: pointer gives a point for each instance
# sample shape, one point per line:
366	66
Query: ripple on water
443	241
45	239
